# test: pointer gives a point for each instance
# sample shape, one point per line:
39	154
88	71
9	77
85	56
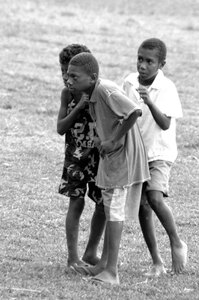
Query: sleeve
121	105
126	86
131	90
170	103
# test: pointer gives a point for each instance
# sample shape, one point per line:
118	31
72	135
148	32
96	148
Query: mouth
142	74
70	87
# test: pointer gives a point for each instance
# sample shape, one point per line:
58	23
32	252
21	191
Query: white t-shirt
160	144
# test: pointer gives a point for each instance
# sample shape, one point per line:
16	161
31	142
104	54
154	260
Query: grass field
32	241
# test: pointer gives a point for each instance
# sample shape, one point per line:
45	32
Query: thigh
133	201
160	173
114	203
91	165
94	192
73	181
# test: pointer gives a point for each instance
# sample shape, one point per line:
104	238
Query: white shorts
159	172
122	203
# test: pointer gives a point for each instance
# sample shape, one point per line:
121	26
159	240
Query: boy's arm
107	146
64	121
160	118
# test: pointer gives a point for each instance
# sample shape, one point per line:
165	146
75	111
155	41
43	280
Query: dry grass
32	250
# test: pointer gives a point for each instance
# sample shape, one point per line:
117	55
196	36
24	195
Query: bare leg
75	209
100	266
97	228
164	214
148	230
110	273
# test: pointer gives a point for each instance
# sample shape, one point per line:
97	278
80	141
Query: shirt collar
93	97
157	83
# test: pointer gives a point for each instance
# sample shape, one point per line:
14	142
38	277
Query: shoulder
166	82
66	93
130	81
131	78
107	87
66	96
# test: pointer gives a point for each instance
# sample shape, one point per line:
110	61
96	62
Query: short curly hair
71	50
154	43
87	61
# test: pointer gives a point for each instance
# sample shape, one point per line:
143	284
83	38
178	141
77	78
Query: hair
155	43
87	61
71	50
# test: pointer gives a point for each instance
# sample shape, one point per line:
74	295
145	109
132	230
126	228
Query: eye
74	77
149	62
64	73
71	76
140	59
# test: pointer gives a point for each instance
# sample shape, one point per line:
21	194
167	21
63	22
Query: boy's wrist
149	103
112	141
78	107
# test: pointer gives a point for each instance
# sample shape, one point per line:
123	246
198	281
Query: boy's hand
83	102
144	94
97	142
106	147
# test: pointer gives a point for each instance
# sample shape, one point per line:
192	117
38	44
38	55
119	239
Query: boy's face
78	79
64	70
148	63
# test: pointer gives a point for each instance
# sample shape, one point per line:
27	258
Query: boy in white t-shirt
160	108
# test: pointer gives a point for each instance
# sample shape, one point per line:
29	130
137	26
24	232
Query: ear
94	77
162	64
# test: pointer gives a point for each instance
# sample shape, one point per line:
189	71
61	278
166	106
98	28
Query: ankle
112	271
157	259
72	261
176	242
90	259
158	263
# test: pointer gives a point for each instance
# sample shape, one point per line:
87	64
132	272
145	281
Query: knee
144	207
76	207
155	199
145	210
99	209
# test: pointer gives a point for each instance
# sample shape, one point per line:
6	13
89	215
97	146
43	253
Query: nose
69	81
65	76
142	65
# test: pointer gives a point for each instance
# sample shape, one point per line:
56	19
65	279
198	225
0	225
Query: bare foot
106	277
95	270
78	263
73	264
88	270
156	271
179	258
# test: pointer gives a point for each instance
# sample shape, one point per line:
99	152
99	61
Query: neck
89	91
148	81
76	95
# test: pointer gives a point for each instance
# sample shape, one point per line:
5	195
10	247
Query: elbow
165	127
138	113
165	124
60	130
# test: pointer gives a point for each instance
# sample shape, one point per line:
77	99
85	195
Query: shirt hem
162	158
122	186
